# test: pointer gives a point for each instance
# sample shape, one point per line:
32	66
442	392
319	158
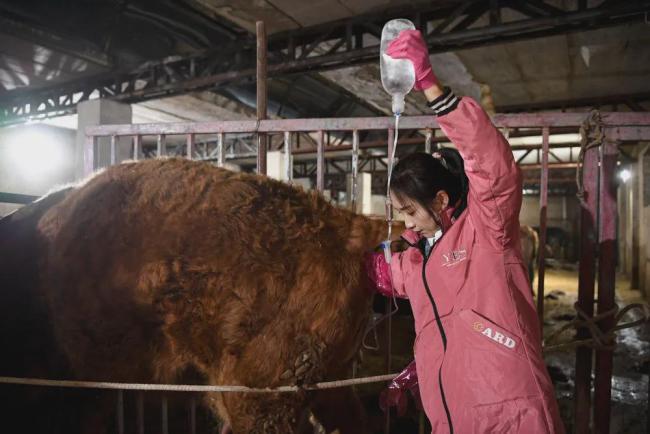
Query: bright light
35	154
552	139
625	175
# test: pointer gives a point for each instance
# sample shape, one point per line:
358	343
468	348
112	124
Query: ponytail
454	163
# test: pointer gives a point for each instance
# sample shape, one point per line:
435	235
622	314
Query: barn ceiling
53	52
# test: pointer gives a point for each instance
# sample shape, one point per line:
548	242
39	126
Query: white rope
192	387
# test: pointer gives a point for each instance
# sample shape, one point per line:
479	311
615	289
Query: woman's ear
443	199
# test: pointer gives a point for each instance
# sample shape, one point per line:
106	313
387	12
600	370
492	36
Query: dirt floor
631	359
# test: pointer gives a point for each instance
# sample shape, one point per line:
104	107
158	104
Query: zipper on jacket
443	336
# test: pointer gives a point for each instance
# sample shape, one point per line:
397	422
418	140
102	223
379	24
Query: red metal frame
543	203
618	126
606	283
586	282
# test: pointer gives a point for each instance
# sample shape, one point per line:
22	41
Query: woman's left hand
378	271
395	394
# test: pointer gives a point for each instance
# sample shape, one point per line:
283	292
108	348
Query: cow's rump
175	271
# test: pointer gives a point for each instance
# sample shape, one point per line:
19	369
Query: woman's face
416	217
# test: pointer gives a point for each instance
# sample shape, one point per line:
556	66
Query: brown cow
168	271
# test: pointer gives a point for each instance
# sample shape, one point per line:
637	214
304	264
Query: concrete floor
631	357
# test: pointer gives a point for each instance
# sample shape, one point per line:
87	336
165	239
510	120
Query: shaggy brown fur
155	269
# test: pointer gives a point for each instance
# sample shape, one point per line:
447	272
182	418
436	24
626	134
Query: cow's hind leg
264	413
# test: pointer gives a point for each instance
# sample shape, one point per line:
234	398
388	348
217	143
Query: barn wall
34	159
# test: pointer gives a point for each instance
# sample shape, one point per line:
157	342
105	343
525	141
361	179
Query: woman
479	358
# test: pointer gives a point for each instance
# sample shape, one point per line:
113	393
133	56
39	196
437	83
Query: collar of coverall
412	237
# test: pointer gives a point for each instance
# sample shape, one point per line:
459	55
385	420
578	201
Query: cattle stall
601	133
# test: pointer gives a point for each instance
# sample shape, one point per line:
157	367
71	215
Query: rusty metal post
320	163
120	412
288	159
261	95
137	145
221	150
190	142
586	281
160	148
354	190
543	203
89	154
193	414
140	413
165	416
606	284
113	150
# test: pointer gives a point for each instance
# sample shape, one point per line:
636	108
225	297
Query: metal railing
598	211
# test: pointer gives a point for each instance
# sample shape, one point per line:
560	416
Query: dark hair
420	176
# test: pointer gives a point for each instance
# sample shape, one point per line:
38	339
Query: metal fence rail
598	211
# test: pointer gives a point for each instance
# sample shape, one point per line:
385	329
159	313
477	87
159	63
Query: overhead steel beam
328	46
66	44
17	198
633	101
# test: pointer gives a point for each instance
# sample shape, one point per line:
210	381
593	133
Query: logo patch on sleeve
454	257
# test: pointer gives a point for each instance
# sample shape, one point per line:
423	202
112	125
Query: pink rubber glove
395	394
379	273
410	45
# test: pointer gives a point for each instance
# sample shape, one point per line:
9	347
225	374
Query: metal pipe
543	203
89	154
193	415
140	413
113	153
606	283
427	140
261	95
288	161
320	163
586	282
191	141
636	121
221	151
165	417
137	146
355	171
160	146
550	166
120	412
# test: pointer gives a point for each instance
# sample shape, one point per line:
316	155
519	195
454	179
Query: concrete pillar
101	112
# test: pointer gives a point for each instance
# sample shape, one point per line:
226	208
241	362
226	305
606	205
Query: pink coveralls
478	351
